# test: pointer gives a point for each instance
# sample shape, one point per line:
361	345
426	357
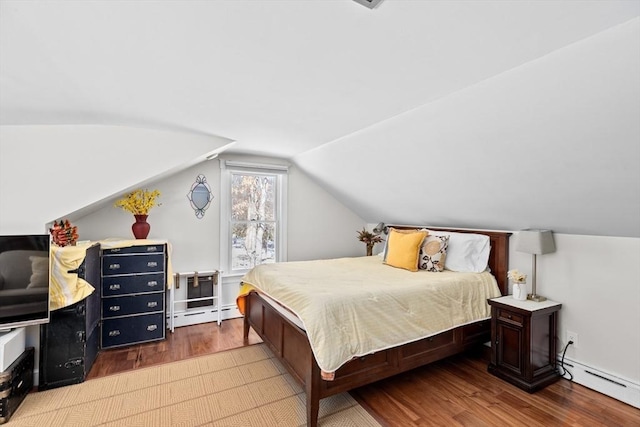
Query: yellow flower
139	202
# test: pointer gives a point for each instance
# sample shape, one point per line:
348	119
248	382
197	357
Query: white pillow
467	252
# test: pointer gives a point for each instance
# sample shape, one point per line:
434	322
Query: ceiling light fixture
369	3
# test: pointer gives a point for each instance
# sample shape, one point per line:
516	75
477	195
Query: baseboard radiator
194	316
618	388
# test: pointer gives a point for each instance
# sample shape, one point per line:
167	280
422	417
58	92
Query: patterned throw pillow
433	253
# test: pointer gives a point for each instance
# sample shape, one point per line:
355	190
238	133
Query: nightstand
523	342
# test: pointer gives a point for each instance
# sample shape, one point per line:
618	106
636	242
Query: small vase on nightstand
520	291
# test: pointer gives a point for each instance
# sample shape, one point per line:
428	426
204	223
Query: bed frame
291	345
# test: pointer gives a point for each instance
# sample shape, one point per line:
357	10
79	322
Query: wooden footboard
291	345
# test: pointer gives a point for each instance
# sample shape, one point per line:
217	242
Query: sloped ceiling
490	113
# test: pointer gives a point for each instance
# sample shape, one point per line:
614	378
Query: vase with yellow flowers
139	203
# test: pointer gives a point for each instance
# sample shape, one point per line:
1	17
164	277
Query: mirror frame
198	188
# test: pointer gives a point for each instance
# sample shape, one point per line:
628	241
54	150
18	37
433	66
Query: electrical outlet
572	336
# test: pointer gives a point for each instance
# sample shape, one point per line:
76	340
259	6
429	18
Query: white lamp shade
536	242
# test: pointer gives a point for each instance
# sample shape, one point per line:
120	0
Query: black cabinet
133	294
69	343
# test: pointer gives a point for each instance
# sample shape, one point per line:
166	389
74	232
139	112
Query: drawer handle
114	308
114	266
152	283
114	287
152	304
114	333
115	250
152	327
152	248
152	264
72	363
509	316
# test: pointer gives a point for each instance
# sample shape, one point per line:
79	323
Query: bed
287	337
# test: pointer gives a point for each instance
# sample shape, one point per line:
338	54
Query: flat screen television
24	280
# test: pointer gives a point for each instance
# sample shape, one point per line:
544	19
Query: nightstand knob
509	316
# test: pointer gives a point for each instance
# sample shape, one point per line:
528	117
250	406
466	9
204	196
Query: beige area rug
242	387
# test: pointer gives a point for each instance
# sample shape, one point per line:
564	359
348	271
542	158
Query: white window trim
227	167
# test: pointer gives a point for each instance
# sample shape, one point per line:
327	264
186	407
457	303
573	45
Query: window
253	229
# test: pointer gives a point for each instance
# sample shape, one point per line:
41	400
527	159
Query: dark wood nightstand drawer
510	317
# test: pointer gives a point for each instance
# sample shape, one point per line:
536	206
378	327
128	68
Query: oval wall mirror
200	196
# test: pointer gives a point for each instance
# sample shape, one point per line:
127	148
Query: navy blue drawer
123	306
134	250
123	285
133	329
132	264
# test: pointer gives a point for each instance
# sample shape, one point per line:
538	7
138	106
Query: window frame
230	167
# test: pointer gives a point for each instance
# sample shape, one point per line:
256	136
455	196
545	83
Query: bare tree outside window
253	220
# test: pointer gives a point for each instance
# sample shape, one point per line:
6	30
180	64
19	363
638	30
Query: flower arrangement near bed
297	307
369	239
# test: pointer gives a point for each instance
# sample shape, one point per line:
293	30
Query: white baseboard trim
618	388
194	316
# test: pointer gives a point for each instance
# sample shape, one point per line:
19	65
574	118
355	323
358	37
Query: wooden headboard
498	258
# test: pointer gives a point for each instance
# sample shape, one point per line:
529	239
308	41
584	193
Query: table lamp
535	242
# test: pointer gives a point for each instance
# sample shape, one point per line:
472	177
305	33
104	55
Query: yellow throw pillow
403	248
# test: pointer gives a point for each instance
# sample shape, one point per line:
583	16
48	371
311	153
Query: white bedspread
356	306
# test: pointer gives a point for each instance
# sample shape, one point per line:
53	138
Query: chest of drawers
133	295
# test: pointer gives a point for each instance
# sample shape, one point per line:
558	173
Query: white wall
319	226
553	143
47	172
597	280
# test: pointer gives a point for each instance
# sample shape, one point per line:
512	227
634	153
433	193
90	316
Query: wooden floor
185	342
455	392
